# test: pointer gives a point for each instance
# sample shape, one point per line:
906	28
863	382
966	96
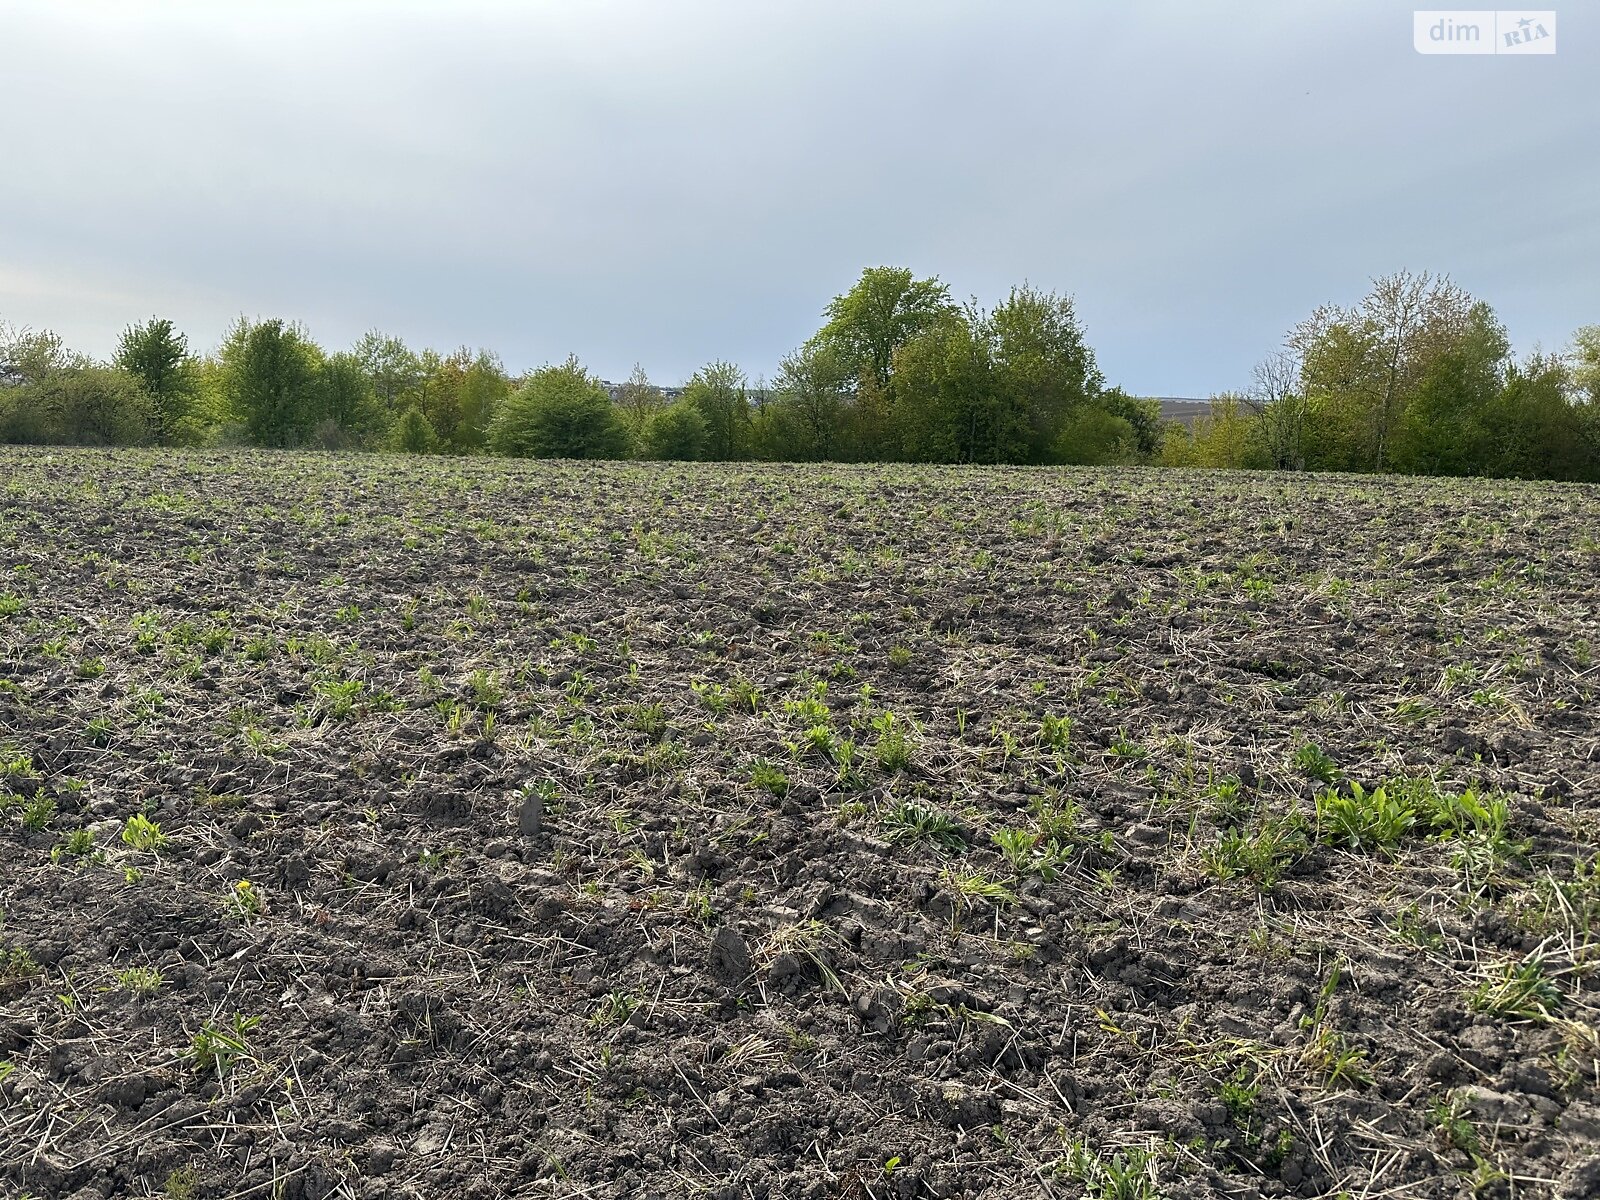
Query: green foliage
1311	761
1260	851
718	392
77	404
1417	376
893	748
347	407
768	778
560	412
885	309
909	821
142	833
1363	820
271	381
157	356
1519	990
414	433
218	1046
676	433
1128	1174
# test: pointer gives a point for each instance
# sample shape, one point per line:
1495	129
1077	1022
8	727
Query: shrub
414	433
676	433
561	412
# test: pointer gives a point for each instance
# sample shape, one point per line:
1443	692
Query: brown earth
634	830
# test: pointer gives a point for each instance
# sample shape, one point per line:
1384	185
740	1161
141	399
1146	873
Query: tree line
1418	376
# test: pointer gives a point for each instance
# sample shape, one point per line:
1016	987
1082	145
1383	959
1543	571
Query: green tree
76	405
484	388
27	356
1584	357
885	309
392	367
1444	429
949	401
676	433
1226	438
1280	410
637	401
718	390
1045	370
349	408
1536	427
271	378
813	385
1361	366
1095	437
158	356
413	433
560	412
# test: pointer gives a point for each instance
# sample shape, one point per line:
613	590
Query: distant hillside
1182	409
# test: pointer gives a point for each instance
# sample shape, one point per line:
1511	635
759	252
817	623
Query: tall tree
676	433
484	388
1362	365
271	378
718	390
347	402
813	384
27	356
637	400
886	308
157	356
950	404
1044	365
1280	409
393	368
1584	357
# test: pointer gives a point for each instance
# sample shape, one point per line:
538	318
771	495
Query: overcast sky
674	181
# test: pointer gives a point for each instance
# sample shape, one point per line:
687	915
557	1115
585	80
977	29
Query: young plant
1363	820
217	1046
893	750
142	833
909	821
1261	852
1310	761
1518	990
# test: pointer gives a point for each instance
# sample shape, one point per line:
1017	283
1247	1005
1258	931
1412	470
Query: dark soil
628	830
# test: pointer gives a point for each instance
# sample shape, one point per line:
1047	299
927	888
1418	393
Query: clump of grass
142	833
614	1009
1128	1174
38	812
218	1046
909	821
1029	852
79	843
893	749
811	941
1056	819
1055	733
143	980
1518	990
1261	851
17	964
976	885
